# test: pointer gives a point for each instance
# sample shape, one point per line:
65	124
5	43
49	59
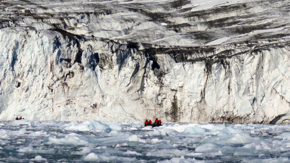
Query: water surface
93	141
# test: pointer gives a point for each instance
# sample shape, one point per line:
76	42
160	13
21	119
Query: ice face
91	141
179	60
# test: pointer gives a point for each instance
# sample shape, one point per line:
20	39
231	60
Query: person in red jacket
146	122
159	122
150	122
156	120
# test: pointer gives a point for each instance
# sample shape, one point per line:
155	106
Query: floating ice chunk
168	153
95	125
91	157
85	150
26	149
155	140
230	130
213	127
12	159
101	147
22	131
179	128
133	128
132	153
228	150
108	140
135	138
194	154
22	122
118	145
153	133
220	129
236	139
30	149
114	133
88	126
162	131
107	158
271	160
208	147
4	134
258	146
194	130
240	139
285	135
115	127
244	153
69	139
182	128
2	142
179	160
147	128
110	158
38	159
167	132
38	133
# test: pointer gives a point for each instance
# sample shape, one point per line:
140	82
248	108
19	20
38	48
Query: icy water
93	141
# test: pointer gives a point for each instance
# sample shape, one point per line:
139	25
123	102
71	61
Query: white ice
53	141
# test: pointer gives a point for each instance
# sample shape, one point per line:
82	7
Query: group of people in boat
156	123
20	118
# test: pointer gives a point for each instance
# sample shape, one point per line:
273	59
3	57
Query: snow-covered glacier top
164	22
126	60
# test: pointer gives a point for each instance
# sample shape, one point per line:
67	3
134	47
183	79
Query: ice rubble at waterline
183	61
53	141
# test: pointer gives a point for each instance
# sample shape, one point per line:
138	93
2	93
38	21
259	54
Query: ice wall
132	60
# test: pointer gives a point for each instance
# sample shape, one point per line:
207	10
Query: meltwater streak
51	141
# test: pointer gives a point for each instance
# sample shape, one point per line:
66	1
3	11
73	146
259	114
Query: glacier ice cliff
125	60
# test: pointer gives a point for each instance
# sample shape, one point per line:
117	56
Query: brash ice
93	141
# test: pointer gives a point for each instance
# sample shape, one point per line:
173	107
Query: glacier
128	60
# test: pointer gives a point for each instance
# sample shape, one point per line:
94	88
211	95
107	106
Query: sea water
93	141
